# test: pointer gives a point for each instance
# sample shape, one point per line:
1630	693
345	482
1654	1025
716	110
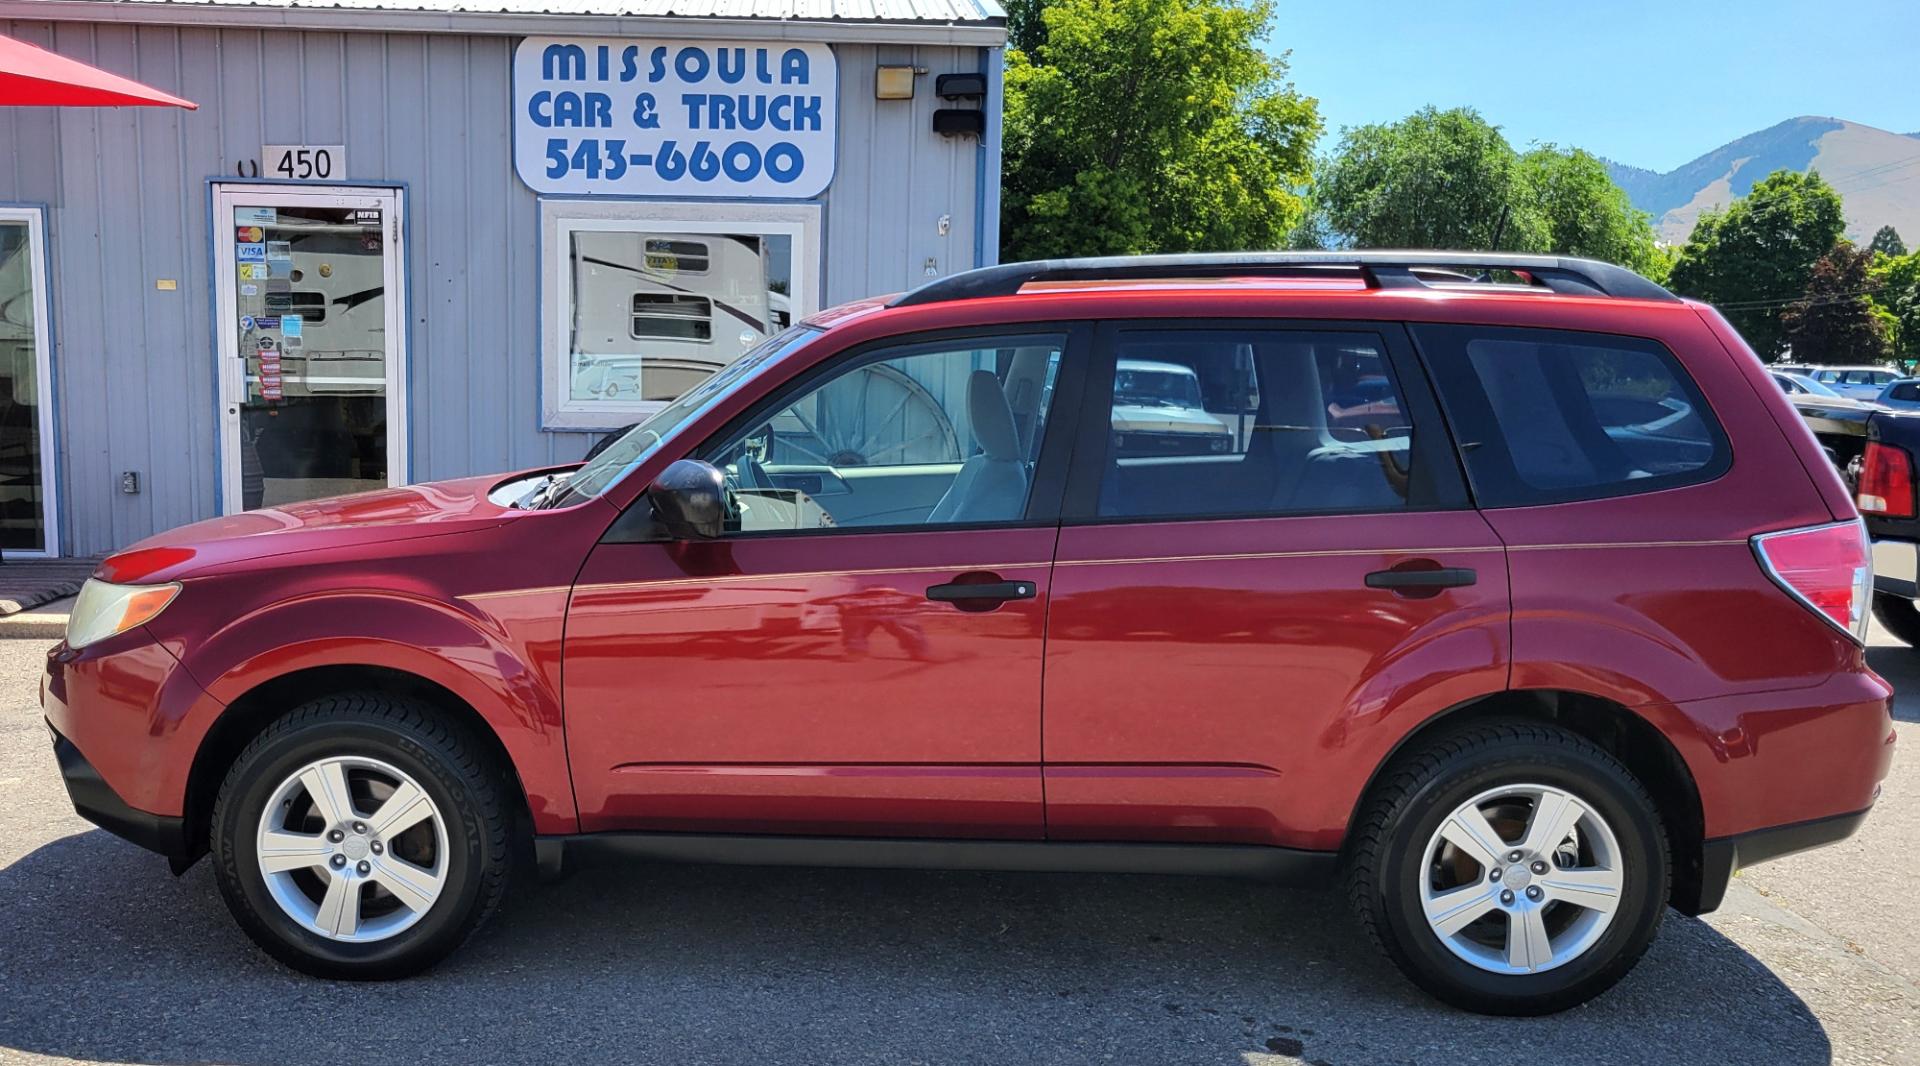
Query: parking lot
106	958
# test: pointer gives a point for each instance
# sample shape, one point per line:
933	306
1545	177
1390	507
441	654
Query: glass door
27	512
312	332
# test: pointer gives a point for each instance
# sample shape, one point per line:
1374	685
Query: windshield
633	448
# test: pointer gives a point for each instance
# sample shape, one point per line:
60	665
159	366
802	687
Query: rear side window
1544	416
1906	391
1217	423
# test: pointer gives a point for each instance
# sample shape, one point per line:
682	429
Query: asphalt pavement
104	957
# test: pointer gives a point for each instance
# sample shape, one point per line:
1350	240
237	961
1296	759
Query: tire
1399	852
447	869
1899	616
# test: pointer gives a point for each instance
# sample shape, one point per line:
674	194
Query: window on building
643	301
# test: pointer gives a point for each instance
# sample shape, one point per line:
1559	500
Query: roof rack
1379	270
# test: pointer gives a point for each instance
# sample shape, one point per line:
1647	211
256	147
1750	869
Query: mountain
1876	172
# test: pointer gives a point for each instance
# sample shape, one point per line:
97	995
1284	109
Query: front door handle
983	592
1446	577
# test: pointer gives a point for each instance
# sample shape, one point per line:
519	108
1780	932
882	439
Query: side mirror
690	500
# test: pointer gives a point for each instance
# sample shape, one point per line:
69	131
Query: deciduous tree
1756	258
1151	126
1834	321
1896	285
1435	179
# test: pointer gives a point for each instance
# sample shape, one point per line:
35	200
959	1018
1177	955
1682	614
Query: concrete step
45	622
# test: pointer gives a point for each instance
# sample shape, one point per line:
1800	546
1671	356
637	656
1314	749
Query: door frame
229	373
39	256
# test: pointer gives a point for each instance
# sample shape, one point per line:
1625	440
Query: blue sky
1651	84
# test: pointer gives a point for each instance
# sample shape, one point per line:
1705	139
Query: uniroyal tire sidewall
1598	785
446	922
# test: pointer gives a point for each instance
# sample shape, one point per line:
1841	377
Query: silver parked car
1854	382
1901	395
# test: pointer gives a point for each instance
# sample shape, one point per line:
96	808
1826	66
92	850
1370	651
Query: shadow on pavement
105	957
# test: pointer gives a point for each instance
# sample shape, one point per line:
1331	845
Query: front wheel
361	837
1899	616
1511	869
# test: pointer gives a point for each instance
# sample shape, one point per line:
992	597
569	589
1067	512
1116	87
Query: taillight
1828	568
1886	481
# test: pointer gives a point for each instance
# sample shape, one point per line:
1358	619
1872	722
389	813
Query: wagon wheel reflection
876	415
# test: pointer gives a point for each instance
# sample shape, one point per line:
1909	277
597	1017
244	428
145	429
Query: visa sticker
250	253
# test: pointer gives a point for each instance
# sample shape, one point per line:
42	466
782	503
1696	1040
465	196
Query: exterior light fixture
893	83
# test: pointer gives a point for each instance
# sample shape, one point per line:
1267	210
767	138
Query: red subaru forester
1508	591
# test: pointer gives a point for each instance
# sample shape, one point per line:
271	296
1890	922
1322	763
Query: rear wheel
1511	869
1899	616
361	837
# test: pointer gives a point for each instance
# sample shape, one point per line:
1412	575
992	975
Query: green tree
1435	179
1886	241
1151	126
1588	215
1835	322
1757	257
1896	285
1026	30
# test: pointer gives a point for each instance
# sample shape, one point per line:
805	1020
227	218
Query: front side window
638	443
1545	416
1253	422
938	434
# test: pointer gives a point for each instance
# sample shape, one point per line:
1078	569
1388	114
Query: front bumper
1896	567
1720	858
98	803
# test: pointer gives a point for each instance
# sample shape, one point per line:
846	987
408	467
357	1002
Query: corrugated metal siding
892	10
134	366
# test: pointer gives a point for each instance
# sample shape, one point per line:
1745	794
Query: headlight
104	609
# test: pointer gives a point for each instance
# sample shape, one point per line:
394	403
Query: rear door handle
1446	577
994	591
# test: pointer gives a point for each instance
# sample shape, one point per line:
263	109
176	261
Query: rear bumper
97	802
1720	858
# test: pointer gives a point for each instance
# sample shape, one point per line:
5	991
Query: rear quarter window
1546	416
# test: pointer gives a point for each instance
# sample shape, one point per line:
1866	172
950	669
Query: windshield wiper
542	494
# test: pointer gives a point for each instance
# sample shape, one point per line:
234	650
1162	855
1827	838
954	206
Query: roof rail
1379	270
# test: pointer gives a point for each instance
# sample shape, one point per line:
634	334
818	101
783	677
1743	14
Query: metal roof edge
987	34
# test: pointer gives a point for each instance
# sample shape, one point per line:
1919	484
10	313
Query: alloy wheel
1521	879
352	849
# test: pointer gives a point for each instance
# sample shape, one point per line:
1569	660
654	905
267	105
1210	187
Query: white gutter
508	24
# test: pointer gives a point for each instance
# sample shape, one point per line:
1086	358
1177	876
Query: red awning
35	77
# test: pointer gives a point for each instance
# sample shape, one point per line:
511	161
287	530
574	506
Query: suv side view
1524	609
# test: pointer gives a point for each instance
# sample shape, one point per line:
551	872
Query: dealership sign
674	118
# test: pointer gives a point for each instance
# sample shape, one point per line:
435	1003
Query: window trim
1438	476
562	216
1044	496
1428	338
